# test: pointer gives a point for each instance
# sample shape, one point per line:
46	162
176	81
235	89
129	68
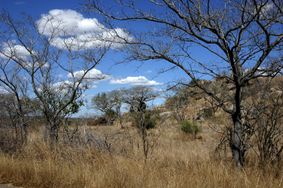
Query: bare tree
243	39
15	101
137	98
57	76
266	117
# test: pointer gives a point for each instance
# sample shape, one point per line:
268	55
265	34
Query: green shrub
189	127
110	116
150	121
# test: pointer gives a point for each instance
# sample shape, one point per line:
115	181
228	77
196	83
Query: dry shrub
9	142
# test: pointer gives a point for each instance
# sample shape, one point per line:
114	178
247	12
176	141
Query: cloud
21	54
89	80
66	86
67	22
10	50
62	85
136	80
72	81
71	29
93	74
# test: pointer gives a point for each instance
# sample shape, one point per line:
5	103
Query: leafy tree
109	104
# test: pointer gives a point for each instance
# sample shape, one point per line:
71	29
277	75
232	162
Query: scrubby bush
146	120
151	119
190	127
110	116
207	112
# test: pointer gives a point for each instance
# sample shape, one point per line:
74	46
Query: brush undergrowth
38	166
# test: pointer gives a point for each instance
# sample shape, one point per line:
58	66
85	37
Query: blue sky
133	73
148	70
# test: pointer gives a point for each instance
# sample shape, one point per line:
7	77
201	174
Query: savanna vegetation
222	126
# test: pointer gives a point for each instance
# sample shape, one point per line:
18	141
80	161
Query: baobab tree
242	40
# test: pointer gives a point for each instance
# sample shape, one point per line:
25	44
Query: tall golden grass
176	161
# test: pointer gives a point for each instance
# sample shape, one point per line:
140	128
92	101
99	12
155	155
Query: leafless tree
266	117
42	63
243	40
15	101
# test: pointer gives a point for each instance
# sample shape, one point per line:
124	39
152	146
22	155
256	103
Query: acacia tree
58	67
117	98
137	98
109	104
243	39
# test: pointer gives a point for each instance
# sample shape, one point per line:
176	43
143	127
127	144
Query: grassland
116	160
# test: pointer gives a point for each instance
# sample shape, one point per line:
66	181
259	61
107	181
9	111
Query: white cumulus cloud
93	74
19	53
89	79
66	86
10	50
135	80
71	29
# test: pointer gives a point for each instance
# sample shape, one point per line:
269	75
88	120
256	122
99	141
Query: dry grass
176	161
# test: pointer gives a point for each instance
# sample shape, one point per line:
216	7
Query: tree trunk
53	134
24	131
237	148
236	137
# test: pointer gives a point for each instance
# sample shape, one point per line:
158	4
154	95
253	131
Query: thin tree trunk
143	133
24	131
238	152
236	140
53	134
